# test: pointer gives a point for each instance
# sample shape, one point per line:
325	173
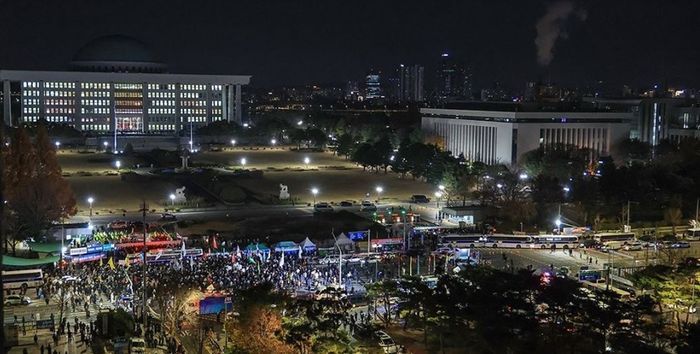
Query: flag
282	260
111	263
300	253
126	262
238	252
160	253
182	249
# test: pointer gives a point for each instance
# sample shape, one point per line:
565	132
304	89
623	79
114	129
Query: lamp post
90	200
273	142
379	190
307	160
438	195
314	191
233	142
243	161
58	145
118	164
172	199
105	144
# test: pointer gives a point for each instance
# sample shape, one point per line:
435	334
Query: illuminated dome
117	53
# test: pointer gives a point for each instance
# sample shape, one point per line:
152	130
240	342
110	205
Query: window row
95	102
95	85
94	94
96	110
161	127
161	111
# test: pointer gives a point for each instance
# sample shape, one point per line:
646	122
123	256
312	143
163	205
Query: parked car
419	198
386	342
118	225
680	244
323	208
168	217
346	203
367	206
11	300
634	246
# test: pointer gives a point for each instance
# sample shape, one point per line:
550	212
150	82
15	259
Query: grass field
336	178
111	193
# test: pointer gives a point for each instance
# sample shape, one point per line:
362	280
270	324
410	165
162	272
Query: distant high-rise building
373	85
410	88
352	91
454	80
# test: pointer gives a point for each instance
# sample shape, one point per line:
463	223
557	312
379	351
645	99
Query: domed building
119	87
117	53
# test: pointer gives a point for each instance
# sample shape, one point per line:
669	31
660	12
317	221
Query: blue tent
257	247
287	247
308	246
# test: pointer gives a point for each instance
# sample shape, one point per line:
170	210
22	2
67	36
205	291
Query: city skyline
569	42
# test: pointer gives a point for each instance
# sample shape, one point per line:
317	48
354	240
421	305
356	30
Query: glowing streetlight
118	164
105	144
499	185
172	199
243	161
58	145
273	142
441	187
300	122
557	222
307	161
90	200
523	176
314	191
379	191
233	142
566	189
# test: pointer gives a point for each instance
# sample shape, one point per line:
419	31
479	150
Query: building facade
410	83
117	87
493	137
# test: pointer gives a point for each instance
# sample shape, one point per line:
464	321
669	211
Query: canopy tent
10	261
286	246
54	247
344	243
257	247
307	245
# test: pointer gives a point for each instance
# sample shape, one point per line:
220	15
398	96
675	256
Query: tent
257	247
344	243
9	261
307	245
54	247
286	246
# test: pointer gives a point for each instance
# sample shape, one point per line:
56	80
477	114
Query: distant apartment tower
373	85
410	83
352	91
454	80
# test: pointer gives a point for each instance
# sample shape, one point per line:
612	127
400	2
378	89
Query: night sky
298	42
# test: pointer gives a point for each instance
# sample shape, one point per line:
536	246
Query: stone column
238	117
7	103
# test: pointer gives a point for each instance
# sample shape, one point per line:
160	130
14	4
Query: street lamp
90	200
172	199
523	176
273	142
105	144
379	190
441	188
233	142
307	160
118	164
314	191
243	161
58	145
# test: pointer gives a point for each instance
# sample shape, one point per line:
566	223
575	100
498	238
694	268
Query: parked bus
559	241
461	240
692	234
622	237
22	279
509	241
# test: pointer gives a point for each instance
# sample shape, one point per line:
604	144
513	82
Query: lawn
111	193
90	162
272	158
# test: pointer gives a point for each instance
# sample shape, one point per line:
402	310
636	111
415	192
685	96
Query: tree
383	151
363	155
316	137
459	182
381	293
297	136
36	193
346	145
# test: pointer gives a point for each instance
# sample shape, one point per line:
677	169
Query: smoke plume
550	27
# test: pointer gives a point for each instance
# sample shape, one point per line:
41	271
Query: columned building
118	87
497	136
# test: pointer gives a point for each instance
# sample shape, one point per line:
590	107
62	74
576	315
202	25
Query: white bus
692	234
509	241
22	279
621	237
558	241
457	241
